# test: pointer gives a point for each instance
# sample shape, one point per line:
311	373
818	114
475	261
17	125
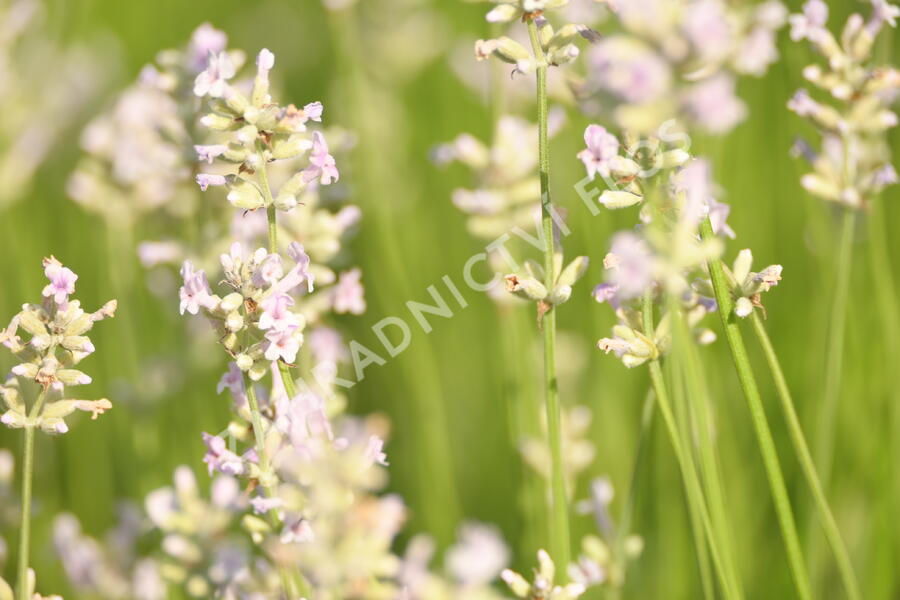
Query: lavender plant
35	392
850	171
679	60
550	284
854	163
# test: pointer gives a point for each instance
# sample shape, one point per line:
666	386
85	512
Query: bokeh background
387	71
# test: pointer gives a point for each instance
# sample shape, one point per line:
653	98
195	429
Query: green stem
760	423
835	350
25	531
806	462
675	380
700	411
692	486
27	480
259	433
560	516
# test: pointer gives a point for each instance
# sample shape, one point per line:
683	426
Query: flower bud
244	194
614	199
218	122
503	13
234	322
243	362
573	271
231	302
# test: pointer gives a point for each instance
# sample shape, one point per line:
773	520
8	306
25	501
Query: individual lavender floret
747	286
529	285
854	163
543	586
624	166
600	563
58	343
557	46
254	321
256	132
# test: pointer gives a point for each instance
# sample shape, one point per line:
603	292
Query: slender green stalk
835	350
882	282
25	530
628	504
675	377
692	486
560	515
286	377
700	409
829	524
760	423
27	479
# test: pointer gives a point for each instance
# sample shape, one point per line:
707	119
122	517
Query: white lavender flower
57	344
854	163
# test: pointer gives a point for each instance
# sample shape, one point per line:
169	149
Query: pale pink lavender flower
478	557
886	175
313	111
204	180
629	265
327	345
718	215
714	105
261	505
707	28
269	271
630	70
602	147
302	417
283	344
276	313
348	295
195	292
62	282
374	452
298	274
802	104
233	381
606	292
883	12
757	52
206	40
209	153
155	253
321	164
214	80
297	530
811	23
219	458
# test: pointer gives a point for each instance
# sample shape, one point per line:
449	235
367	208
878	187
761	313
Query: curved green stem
835	349
829	524
692	486
560	514
760	423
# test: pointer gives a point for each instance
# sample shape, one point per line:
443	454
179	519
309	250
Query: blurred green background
410	236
